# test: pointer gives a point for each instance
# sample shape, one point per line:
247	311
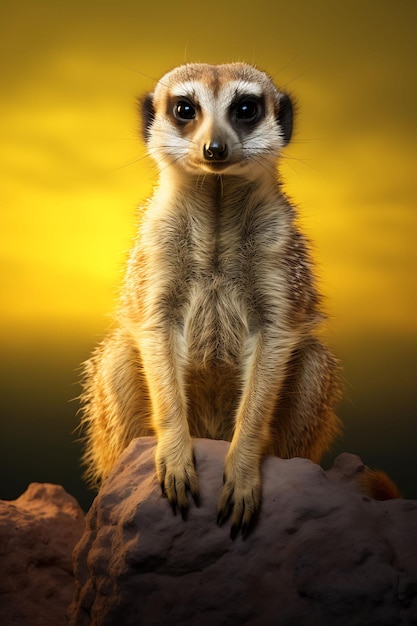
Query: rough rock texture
321	554
38	532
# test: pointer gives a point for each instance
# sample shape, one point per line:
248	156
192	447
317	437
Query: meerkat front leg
264	372
175	463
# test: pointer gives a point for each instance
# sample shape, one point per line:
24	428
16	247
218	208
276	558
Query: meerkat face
221	119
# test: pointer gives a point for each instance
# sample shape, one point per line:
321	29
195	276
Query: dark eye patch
184	110
247	109
245	112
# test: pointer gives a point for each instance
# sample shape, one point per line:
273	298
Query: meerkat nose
215	151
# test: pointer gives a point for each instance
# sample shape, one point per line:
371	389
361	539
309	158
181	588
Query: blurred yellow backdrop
73	170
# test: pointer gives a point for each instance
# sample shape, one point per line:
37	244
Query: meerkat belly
215	325
215	330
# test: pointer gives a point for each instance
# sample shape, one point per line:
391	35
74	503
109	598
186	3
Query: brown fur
217	319
378	485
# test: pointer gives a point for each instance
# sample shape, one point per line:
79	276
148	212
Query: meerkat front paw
175	468
240	498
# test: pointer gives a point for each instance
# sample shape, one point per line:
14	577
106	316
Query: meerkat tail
378	485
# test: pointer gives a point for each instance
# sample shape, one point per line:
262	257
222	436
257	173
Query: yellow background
73	170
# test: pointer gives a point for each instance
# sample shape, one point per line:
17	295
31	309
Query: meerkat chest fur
214	265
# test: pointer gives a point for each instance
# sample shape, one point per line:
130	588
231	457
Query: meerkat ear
147	113
284	116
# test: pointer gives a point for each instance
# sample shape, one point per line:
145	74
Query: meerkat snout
215	151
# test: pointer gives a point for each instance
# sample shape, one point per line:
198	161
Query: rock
38	532
321	553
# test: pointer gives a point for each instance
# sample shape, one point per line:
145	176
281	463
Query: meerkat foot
240	498
177	476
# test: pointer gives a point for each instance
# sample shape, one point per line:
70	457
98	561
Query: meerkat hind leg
304	422
115	403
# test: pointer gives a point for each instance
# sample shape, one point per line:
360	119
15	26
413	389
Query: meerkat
216	330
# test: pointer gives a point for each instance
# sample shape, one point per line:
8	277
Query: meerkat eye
184	110
248	110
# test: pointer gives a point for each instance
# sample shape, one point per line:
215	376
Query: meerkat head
221	119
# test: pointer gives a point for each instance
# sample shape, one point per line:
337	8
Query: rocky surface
38	532
321	553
